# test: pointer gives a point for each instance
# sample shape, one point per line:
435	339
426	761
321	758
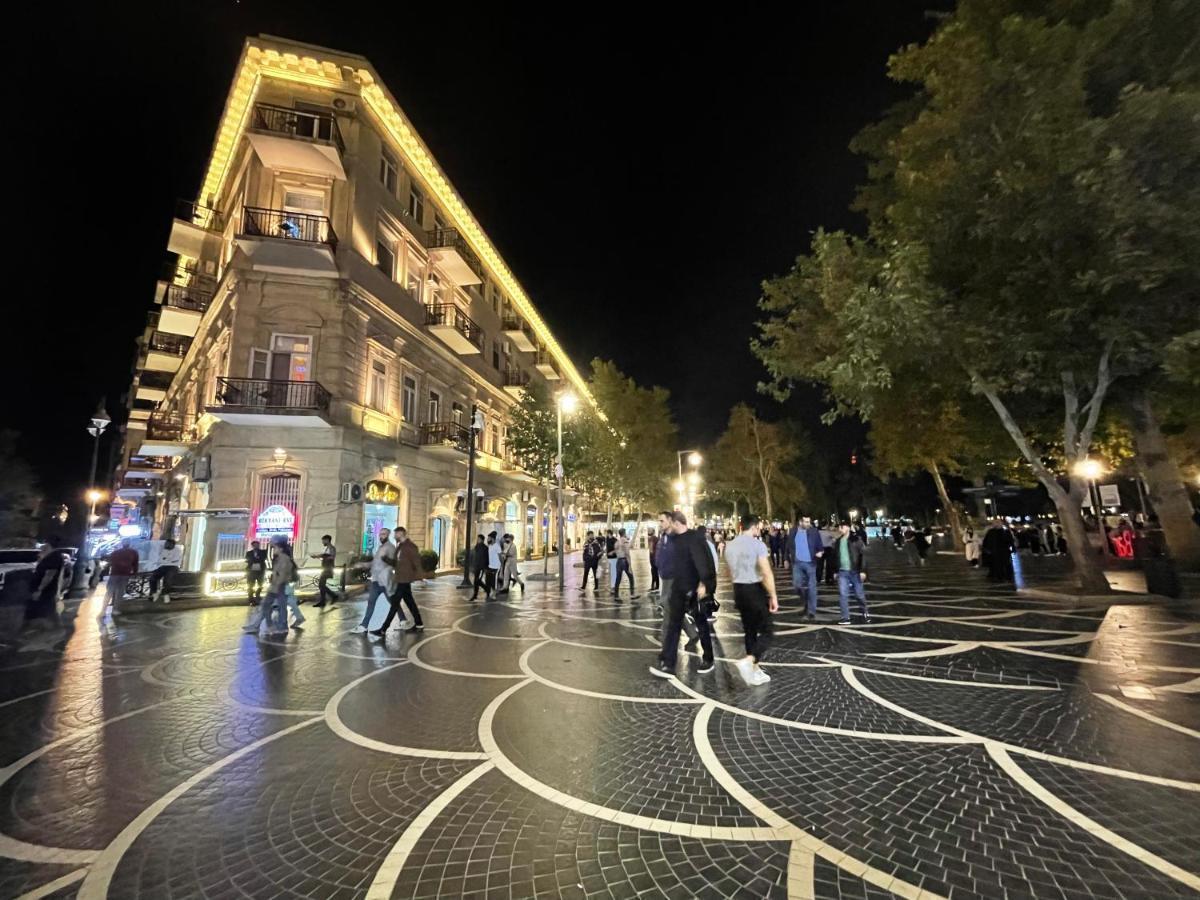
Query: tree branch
1070	413
1103	380
1044	475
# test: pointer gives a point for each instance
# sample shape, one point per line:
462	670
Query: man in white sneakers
754	595
381	578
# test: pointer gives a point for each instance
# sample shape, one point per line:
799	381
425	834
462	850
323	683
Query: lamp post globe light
100	421
1090	470
687	490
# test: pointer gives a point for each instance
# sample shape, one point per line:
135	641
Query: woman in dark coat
998	545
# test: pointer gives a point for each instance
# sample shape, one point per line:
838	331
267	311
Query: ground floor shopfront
244	483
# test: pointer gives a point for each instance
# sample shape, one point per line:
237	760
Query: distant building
330	314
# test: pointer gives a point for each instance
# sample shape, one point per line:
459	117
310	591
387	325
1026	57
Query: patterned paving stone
1064	723
942	817
832	883
307	815
634	757
508	842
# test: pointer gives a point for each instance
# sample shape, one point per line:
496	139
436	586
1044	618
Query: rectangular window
435	407
458	413
389	171
414	273
377	397
260	363
291	358
493	441
385	256
304	202
434	288
416	204
495	354
409	400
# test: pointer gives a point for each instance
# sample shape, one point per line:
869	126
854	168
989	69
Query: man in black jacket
479	563
847	554
694	579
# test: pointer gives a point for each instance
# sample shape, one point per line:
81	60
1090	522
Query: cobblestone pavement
966	742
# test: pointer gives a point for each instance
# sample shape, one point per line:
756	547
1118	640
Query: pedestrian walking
610	553
328	556
382	571
753	595
593	550
971	546
847	550
479	565
621	548
829	534
694	580
666	568
806	552
920	542
509	570
272	609
42	610
256	571
652	543
998	546
169	561
122	565
493	570
407	569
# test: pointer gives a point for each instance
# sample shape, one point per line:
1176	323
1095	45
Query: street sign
1110	495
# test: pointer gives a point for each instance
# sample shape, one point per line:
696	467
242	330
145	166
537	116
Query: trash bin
1161	577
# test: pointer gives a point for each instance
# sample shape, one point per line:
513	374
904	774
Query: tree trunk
951	510
1164	481
1089	566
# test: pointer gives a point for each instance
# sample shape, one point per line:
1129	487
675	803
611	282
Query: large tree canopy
1031	211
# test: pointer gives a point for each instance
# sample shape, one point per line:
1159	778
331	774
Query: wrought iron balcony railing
265	393
179	296
292	226
155	463
449	237
445	434
176	429
449	314
516	378
170	344
199	215
299	123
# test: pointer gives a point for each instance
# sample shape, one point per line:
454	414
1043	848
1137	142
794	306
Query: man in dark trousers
652	543
593	549
479	563
327	556
256	570
695	578
806	552
408	570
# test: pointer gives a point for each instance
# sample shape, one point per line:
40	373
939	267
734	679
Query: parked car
17	560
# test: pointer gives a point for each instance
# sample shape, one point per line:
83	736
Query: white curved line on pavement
1149	717
333	719
853	681
1111	663
546	792
804	845
53	887
958	647
950	681
528	672
1000	755
419	663
389	870
95	885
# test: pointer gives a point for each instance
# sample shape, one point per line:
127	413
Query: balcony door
291	358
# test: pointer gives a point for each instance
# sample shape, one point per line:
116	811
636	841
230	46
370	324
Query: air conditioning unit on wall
352	492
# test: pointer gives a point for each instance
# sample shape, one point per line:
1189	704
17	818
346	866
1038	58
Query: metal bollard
1018	575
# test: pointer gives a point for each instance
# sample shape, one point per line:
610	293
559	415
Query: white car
25	559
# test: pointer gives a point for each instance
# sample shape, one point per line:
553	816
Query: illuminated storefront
381	509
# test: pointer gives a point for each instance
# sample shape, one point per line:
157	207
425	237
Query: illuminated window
414	272
435	407
291	357
385	255
389	171
408	400
458	413
416	204
377	385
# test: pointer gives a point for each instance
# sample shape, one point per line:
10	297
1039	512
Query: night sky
641	176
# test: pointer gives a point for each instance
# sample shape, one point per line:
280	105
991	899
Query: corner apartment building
331	314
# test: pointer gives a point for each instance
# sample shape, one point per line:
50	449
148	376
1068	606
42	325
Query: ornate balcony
195	232
297	123
167	435
262	401
454	256
544	363
518	332
515	381
447	439
303	228
454	328
164	352
182	308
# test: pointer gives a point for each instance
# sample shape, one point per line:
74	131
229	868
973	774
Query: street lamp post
100	421
476	426
566	403
687	497
1091	469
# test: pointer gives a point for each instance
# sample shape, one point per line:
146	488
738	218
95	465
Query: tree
532	432
19	495
994	253
751	460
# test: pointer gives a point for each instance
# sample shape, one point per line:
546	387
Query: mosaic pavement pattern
965	743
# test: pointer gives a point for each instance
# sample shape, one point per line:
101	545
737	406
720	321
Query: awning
214	513
293	155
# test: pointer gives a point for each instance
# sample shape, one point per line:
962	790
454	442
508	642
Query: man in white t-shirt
382	564
169	561
754	595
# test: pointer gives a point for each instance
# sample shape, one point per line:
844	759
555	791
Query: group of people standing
494	563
